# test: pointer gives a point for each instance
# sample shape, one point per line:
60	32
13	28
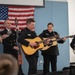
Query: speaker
64	72
39	72
72	70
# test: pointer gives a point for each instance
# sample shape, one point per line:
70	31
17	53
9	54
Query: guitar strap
56	36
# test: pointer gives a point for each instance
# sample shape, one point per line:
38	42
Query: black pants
47	60
32	61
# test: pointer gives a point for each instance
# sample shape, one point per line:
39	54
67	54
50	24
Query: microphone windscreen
8	65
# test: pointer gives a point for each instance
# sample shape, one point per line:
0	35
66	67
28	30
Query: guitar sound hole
51	42
36	47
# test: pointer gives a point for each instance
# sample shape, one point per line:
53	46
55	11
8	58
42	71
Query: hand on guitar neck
64	39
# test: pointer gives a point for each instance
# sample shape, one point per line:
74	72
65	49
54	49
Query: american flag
22	13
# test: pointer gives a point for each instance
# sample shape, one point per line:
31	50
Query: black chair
72	70
64	72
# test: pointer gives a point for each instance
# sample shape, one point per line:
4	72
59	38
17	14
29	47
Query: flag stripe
21	7
22	13
22	10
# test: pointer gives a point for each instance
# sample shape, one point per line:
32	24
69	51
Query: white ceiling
57	0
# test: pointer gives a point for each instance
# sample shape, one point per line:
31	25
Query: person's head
7	24
50	27
8	65
30	24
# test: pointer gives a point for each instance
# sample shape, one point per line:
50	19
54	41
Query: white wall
71	14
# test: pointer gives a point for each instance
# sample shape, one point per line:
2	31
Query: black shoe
22	74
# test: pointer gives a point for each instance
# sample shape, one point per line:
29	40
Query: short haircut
29	21
50	24
8	65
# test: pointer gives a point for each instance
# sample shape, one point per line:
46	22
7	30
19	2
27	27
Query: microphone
8	65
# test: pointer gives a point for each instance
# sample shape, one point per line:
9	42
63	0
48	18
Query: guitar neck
64	37
54	39
43	40
69	36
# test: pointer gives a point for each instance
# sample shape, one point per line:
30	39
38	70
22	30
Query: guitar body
30	50
48	46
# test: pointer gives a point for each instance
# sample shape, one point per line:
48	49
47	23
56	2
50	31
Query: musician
50	55
9	42
72	44
29	33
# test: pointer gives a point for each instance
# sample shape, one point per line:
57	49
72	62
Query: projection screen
23	2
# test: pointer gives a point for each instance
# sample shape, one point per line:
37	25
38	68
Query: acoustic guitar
31	50
40	44
53	42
